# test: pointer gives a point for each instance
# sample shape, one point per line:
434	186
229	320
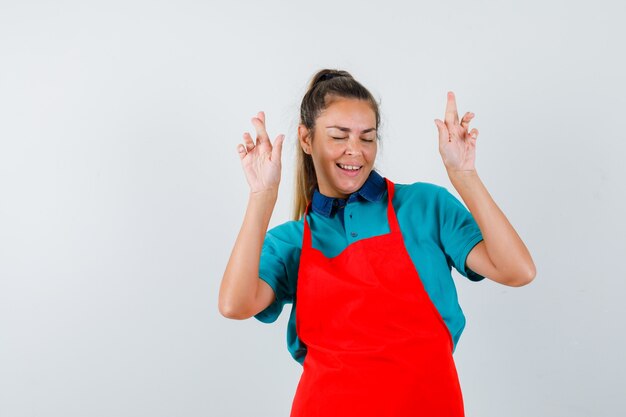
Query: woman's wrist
264	196
461	173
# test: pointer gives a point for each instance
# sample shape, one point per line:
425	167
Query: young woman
366	262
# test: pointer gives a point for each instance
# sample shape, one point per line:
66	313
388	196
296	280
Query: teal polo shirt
438	231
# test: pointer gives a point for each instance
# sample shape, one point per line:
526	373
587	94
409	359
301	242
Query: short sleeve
280	259
459	233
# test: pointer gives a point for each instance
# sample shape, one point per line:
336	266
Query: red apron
376	344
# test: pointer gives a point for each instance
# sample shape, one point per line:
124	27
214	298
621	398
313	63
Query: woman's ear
305	139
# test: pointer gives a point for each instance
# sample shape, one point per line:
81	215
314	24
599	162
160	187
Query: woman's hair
325	86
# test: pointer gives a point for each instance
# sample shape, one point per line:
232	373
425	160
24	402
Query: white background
121	192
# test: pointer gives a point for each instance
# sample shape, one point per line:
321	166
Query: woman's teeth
349	167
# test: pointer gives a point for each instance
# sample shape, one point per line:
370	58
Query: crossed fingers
452	117
261	134
259	125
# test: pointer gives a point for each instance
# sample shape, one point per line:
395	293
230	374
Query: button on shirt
438	232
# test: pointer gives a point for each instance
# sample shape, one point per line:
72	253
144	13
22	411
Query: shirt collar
372	190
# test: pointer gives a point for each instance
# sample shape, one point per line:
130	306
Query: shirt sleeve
280	259
459	233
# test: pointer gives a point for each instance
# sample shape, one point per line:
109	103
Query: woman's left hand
457	145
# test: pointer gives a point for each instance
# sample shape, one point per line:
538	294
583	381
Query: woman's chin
349	187
344	185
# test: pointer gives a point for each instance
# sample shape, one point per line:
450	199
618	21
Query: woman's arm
501	256
241	293
240	284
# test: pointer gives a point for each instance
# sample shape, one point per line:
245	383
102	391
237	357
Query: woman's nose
353	147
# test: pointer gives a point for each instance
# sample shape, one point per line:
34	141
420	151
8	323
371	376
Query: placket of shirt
350	221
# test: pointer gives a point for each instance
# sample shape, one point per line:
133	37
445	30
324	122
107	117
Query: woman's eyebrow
346	129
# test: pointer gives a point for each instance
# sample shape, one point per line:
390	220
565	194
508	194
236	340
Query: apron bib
376	344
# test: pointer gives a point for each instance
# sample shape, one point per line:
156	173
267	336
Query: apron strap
394	227
307	230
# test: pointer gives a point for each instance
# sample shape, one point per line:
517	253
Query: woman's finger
465	121
278	147
452	116
248	142
472	134
444	134
241	150
259	124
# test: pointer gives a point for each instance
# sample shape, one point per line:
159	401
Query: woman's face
344	146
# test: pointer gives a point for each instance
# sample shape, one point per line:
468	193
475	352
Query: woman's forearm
241	277
504	247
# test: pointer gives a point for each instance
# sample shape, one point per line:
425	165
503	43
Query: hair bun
329	74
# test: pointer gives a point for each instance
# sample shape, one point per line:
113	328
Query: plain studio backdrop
121	192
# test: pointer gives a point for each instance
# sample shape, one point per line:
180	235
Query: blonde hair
325	85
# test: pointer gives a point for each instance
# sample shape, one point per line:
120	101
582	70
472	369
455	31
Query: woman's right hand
261	160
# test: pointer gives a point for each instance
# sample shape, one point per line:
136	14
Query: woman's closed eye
368	139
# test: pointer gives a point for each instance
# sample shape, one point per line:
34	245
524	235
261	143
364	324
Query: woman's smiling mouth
349	167
350	170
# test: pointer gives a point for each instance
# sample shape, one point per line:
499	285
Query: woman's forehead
348	113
